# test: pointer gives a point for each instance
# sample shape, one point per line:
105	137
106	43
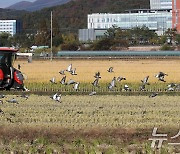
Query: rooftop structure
161	4
10	26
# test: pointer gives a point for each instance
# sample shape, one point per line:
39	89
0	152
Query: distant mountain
37	5
23	5
72	15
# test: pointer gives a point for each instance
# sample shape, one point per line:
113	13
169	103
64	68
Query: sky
6	3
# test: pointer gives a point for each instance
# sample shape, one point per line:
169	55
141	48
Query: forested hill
73	15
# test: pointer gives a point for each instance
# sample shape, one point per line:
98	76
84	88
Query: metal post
51	36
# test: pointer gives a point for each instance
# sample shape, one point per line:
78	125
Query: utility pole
51	36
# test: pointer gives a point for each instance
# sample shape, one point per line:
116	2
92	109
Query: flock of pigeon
160	76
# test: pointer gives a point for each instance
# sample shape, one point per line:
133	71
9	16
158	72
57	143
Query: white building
161	4
8	26
158	21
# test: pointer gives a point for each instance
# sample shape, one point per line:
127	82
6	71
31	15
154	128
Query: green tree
5	39
43	34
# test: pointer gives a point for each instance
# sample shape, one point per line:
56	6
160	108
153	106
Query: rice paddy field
133	70
99	124
39	72
85	124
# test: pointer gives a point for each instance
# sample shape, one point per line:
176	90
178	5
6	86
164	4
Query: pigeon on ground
153	95
62	72
120	78
13	100
76	86
56	97
1	101
63	80
96	82
53	80
97	75
23	96
112	84
92	93
161	76
110	70
69	69
2	96
1	111
73	72
9	120
126	88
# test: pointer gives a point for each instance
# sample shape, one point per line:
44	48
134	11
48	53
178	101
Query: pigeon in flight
76	86
69	69
62	72
71	82
142	87
53	80
56	97
112	84
97	75
13	100
120	78
171	87
110	70
126	88
73	72
161	76
145	80
153	95
63	80
96	82
92	93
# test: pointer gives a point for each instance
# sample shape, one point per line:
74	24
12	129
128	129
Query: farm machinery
10	77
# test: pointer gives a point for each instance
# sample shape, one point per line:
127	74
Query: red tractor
10	78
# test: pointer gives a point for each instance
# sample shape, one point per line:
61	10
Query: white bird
63	80
71	82
145	80
13	100
96	82
76	86
112	84
69	69
120	78
73	72
53	80
110	70
161	76
92	93
56	97
153	95
171	87
97	75
126	88
62	72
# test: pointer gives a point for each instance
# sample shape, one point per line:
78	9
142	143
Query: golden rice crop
133	70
